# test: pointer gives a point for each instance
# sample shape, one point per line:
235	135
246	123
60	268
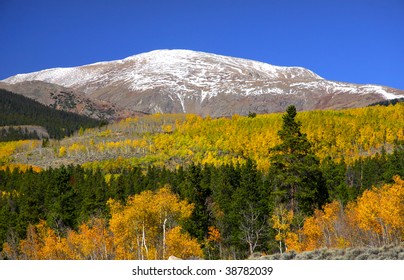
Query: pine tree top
293	140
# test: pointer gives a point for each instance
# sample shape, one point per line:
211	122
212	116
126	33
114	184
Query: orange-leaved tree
379	213
93	241
376	218
41	243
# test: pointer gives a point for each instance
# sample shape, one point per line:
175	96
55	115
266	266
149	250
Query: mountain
66	99
184	81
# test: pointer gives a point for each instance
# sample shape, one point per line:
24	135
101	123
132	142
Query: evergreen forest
17	110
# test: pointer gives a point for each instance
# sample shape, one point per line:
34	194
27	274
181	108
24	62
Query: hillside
184	81
222	180
17	111
175	140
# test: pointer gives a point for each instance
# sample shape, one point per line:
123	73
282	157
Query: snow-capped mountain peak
204	83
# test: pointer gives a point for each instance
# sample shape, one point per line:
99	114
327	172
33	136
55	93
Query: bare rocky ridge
183	81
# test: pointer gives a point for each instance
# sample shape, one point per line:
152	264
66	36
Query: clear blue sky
359	41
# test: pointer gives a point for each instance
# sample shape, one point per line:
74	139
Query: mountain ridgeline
18	113
184	81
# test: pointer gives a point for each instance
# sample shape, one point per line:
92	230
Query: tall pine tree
296	176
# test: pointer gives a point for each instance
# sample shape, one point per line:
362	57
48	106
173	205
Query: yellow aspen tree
327	219
326	228
140	227
381	211
393	208
93	241
312	234
42	243
62	151
292	242
281	221
167	128
214	235
181	244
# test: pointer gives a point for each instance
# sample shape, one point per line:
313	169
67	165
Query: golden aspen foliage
167	128
75	148
346	134
376	218
146	227
62	151
105	133
214	241
93	241
324	228
141	226
21	167
181	244
214	234
281	221
292	242
381	211
42	243
312	233
7	149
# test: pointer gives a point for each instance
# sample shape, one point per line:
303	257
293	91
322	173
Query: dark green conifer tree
296	176
197	193
395	163
334	175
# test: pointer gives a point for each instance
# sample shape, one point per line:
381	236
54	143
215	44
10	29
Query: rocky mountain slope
184	81
66	99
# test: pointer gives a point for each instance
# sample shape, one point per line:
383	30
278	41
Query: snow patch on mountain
183	80
182	69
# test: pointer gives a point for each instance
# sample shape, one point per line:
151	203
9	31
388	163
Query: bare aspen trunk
164	238
144	242
139	248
